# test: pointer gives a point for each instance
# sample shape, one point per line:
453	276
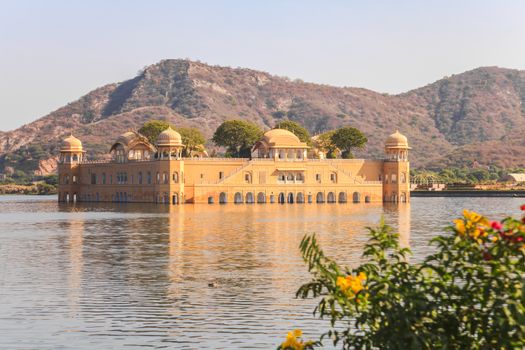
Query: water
138	276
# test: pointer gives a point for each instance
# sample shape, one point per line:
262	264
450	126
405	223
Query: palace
279	171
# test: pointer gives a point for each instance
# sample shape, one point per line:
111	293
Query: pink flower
496	225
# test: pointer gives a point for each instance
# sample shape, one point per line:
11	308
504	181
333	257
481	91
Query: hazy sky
53	52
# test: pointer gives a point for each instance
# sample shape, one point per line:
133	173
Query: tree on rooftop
348	138
192	139
151	129
238	136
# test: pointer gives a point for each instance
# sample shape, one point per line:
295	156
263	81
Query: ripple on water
130	276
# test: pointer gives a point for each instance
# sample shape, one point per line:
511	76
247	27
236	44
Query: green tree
295	128
238	136
324	143
153	128
467	294
348	138
192	139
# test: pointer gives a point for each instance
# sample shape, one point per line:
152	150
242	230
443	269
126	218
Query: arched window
356	197
237	199
290	197
158	177
330	198
176	177
223	199
281	198
289	177
261	198
140	177
320	197
165	178
249	198
149	177
75	158
342	197
394	178
300	197
333	177
403	178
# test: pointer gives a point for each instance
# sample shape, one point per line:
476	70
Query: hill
477	117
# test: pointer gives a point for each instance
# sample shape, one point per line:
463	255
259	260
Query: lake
106	276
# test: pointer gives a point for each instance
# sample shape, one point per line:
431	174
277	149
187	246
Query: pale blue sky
52	52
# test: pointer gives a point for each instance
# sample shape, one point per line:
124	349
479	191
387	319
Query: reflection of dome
71	143
169	137
397	140
282	138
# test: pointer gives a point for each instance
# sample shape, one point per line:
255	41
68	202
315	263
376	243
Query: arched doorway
300	197
249	198
290	197
330	198
210	200
175	199
261	198
367	199
320	197
356	197
281	198
223	199
237	199
342	197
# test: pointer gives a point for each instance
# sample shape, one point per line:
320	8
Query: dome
397	140
169	137
282	138
71	143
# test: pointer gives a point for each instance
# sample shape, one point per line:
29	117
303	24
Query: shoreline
470	193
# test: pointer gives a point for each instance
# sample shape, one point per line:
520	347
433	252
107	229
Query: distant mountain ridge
477	117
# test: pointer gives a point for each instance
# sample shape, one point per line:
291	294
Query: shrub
468	294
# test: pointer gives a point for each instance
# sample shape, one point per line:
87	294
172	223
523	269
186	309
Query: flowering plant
468	294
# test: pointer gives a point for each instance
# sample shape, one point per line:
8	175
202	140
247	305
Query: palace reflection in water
213	276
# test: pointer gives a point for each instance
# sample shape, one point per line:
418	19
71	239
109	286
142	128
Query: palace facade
280	170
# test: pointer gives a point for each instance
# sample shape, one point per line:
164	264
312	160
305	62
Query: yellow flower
298	333
460	225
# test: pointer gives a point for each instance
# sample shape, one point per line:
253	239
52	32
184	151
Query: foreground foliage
468	294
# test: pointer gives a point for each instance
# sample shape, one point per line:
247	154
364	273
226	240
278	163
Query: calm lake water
137	276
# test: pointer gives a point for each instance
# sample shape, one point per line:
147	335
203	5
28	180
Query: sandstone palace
280	170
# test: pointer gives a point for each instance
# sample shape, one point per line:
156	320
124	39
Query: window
149	177
165	178
248	178
176	177
394	178
290	177
403	178
333	178
318	177
221	175
66	179
111	179
93	179
299	177
140	177
74	179
103	178
158	177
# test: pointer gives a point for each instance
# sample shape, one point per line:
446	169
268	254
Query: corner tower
71	155
170	176
396	169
